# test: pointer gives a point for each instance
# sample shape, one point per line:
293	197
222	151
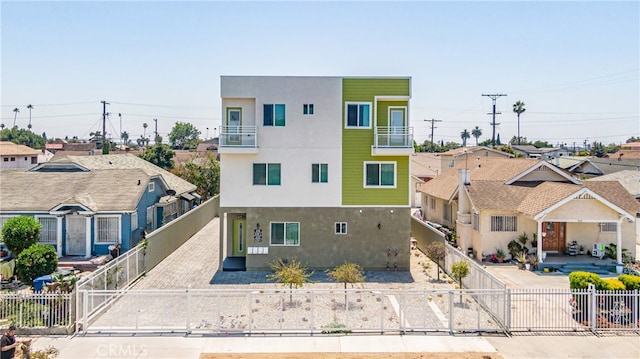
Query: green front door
239	237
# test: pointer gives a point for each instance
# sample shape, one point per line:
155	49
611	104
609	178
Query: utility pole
433	121
104	122
156	131
120	115
493	123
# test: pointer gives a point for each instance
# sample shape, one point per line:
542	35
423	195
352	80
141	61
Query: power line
493	123
54	104
433	121
166	106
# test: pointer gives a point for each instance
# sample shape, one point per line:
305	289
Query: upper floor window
266	174
341	228
151	187
319	173
307	109
274	115
358	115
380	174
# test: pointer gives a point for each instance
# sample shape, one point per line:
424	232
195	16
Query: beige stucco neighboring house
461	155
491	201
13	156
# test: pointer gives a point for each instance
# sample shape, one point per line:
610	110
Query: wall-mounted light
360	211
391	211
379	225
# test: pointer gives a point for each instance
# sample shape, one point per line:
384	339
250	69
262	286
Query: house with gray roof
88	203
491	201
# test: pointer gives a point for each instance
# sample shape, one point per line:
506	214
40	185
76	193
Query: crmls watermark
121	350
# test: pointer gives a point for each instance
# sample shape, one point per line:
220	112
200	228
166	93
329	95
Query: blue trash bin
39	282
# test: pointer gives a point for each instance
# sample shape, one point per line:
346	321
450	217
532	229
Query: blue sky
576	65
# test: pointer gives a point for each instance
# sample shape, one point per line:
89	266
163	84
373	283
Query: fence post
188	310
593	306
451	308
85	309
507	324
20	311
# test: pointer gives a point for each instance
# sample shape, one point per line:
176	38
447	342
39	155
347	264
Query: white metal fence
117	274
573	310
37	310
283	311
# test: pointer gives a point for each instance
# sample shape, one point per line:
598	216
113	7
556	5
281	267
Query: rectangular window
170	211
13	159
307	109
266	174
49	229
107	229
149	225
151	187
34	160
358	115
475	221
285	233
432	202
446	211
6	159
3	220
341	228
319	173
134	221
380	174
608	227
504	223
274	115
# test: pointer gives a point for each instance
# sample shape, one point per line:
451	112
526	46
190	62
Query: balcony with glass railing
238	139
392	141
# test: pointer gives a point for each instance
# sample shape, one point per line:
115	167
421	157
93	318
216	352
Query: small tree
436	252
289	272
346	273
36	261
459	270
20	233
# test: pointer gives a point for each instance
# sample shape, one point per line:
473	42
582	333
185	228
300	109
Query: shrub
20	233
631	282
612	284
581	280
36	261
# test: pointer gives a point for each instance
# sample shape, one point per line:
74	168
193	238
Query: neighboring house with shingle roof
87	203
546	153
589	167
13	155
455	157
629	179
493	201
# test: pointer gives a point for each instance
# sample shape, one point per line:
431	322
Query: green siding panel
356	144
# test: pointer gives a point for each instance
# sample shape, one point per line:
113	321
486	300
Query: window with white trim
357	114
475	221
307	109
266	174
49	229
608	227
107	229
504	223
341	228
319	173
134	221
274	115
151	186
149	225
432	202
379	174
285	233
446	211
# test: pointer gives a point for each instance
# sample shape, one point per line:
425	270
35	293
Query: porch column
540	239
619	240
87	241
59	235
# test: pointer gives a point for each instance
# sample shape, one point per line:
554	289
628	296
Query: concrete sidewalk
558	345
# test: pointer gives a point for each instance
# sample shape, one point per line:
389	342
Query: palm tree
518	108
30	107
144	126
15	114
476	132
465	135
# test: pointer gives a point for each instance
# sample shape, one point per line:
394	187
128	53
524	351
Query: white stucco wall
304	140
20	161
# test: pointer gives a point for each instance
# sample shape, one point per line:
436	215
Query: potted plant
522	260
581	249
500	255
523	239
514	248
534	261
